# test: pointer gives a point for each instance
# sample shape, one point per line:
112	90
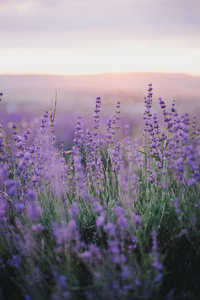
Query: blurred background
83	49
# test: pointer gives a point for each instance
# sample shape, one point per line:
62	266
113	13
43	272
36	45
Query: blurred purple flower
33	210
99	221
73	211
27	156
191	181
11	187
27	297
136	219
19	206
114	247
158	278
137	282
122	222
157	265
31	195
110	229
119	211
37	227
183	231
85	255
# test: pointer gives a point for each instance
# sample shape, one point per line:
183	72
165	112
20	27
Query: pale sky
97	36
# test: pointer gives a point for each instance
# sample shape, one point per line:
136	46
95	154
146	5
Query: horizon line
101	73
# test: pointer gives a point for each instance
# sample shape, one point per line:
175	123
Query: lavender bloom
110	131
60	289
78	140
157	265
61	234
162	103
119	211
137	282
183	232
11	187
85	255
15	261
27	156
118	113
33	210
96	254
110	229
19	207
136	219
127	130
97	112
99	203
99	221
37	227
31	195
122	222
158	278
191	181
147	113
114	247
3	207
73	211
79	175
66	234
27	297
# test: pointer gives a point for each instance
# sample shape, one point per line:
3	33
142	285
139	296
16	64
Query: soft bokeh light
129	57
84	37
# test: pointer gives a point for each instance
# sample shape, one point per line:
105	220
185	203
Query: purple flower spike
158	278
137	282
11	187
27	156
191	182
85	255
33	210
99	221
31	195
136	219
114	247
97	111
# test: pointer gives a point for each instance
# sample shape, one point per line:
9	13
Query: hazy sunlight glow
128	57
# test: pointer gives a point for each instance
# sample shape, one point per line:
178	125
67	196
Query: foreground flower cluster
104	219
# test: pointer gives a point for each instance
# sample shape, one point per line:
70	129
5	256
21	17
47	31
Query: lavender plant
106	218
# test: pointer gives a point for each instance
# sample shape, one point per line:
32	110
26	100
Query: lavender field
100	208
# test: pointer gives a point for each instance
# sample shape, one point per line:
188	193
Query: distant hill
73	90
